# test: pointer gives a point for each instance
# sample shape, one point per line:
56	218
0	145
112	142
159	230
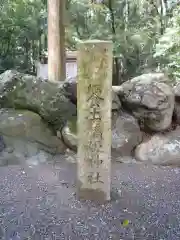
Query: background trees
23	23
167	51
139	30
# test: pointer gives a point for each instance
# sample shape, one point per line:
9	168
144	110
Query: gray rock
150	100
176	89
26	135
21	91
126	135
69	135
160	149
148	78
13	158
70	85
177	112
69	138
117	89
2	144
177	102
116	103
40	157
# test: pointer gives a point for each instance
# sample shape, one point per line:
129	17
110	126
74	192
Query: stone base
92	195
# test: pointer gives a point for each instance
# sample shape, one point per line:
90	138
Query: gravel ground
38	202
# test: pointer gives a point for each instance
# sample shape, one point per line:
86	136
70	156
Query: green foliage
134	27
20	30
168	47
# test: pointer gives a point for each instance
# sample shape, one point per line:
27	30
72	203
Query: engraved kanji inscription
94	119
95	135
94	101
94	177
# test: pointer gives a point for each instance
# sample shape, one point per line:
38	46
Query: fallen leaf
125	223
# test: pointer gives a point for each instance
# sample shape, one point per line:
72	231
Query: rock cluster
38	119
142	119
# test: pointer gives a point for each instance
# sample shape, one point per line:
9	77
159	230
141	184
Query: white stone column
94	104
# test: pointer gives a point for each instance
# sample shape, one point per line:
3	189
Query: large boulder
116	103
70	86
26	136
177	102
126	135
152	77
149	99
22	91
160	149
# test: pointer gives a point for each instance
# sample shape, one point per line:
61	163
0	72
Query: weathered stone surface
177	102
2	144
16	158
149	99
69	134
176	89
21	91
146	78
70	85
26	135
177	112
117	89
116	103
160	149
94	119
151	77
126	135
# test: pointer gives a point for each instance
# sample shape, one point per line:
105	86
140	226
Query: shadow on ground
38	202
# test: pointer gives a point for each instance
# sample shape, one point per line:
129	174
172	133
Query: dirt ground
39	203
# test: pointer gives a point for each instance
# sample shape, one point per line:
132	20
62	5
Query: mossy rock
22	91
27	133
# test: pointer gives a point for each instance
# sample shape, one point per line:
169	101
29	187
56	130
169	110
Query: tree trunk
56	34
117	80
62	40
26	48
161	18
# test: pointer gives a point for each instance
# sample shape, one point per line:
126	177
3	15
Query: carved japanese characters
94	119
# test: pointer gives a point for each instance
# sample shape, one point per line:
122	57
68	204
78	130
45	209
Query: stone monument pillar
94	102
